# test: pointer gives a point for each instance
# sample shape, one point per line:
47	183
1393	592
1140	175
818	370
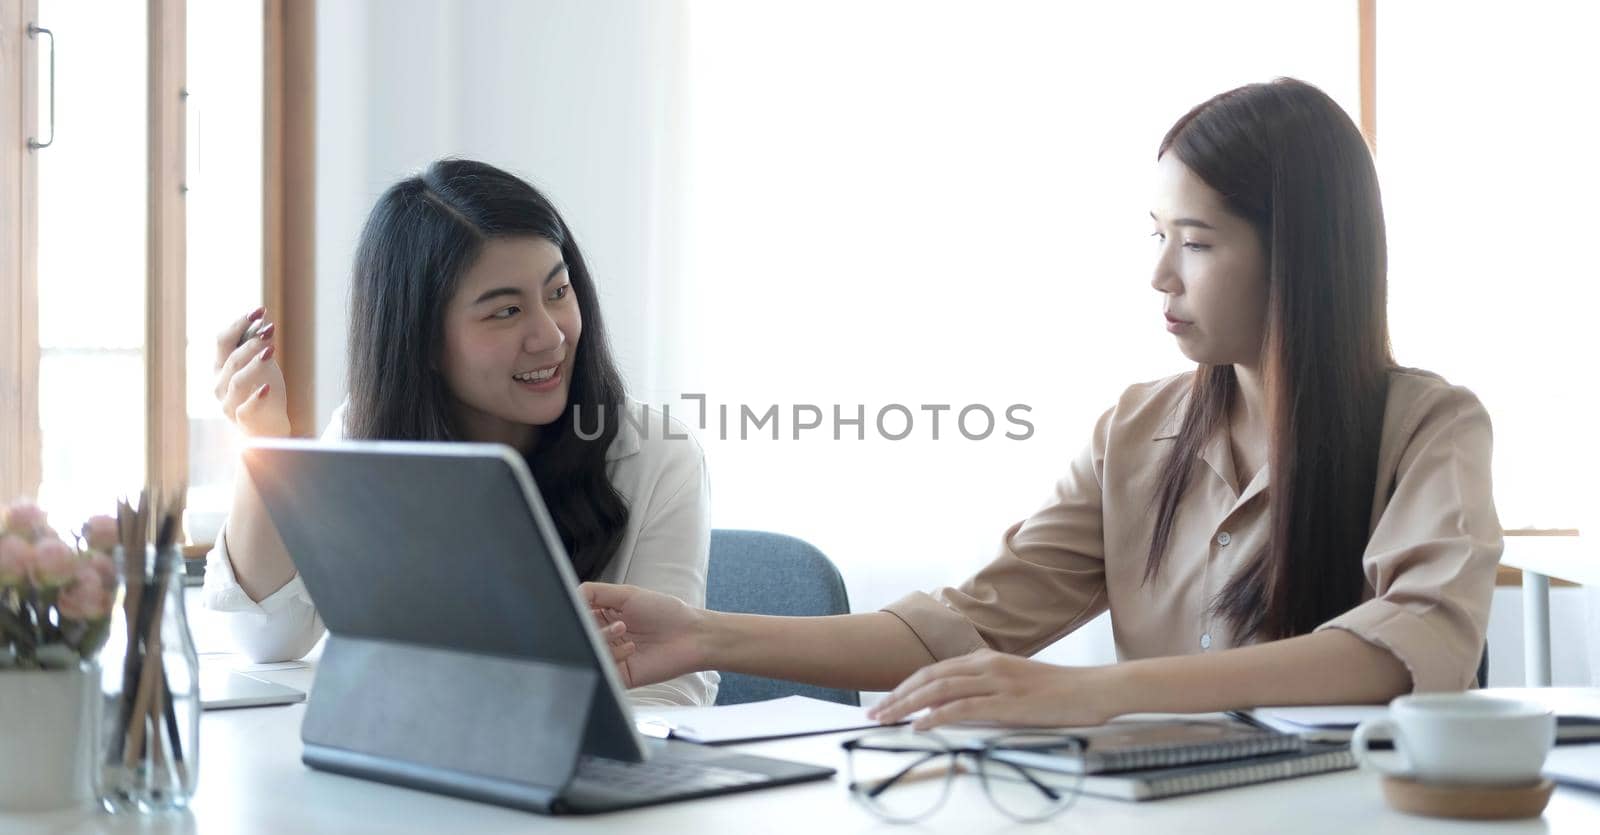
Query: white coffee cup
1461	738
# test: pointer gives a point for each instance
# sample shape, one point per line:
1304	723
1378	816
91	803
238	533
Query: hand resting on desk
995	687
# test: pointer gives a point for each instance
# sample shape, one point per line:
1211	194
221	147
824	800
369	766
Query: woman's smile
546	378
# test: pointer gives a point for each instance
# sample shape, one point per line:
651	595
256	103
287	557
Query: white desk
252	781
1540	558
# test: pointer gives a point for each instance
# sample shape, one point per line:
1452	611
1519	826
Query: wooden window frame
288	285
20	461
1367	37
166	442
166	308
289	195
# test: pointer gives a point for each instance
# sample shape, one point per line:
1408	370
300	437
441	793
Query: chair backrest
762	573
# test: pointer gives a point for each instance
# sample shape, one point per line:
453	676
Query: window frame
166	369
20	461
288	283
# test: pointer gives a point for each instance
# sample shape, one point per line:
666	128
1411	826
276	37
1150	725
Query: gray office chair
762	573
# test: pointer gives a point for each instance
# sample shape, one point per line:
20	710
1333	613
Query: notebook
1127	744
1575	765
222	687
1577	711
1156	783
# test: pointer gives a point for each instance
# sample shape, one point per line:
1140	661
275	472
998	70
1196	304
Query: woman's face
510	335
1211	270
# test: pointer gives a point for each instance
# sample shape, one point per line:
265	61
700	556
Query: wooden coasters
1458	800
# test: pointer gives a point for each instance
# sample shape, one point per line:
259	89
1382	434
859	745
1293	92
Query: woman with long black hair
474	318
1298	520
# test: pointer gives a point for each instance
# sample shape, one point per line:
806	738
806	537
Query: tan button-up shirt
1429	564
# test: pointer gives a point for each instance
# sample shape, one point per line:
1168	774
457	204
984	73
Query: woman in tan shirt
1297	521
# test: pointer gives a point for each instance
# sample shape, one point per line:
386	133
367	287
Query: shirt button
1223	539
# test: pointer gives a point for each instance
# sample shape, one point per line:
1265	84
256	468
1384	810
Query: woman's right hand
660	636
249	382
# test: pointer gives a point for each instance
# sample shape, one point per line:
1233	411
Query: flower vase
49	728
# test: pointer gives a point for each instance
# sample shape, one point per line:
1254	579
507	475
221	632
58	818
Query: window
1484	150
92	253
150	220
225	229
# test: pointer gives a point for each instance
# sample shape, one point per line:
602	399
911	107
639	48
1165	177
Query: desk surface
252	781
1571	558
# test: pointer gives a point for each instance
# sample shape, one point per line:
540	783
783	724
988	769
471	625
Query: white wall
570	94
590	99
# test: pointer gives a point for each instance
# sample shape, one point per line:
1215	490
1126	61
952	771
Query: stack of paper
772	719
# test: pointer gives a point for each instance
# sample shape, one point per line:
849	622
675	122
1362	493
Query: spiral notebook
1125	745
1156	783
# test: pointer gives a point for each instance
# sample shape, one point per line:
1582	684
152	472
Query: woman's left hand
993	687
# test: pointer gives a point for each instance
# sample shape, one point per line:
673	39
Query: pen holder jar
149	756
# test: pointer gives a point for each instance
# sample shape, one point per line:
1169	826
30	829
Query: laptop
222	687
460	657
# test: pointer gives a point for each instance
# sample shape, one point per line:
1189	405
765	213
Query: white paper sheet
1324	717
772	719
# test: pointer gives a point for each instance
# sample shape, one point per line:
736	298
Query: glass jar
150	751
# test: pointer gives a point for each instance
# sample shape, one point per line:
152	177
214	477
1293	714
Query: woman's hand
249	383
653	636
993	687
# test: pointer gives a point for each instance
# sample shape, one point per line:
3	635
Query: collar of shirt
627	441
1216	452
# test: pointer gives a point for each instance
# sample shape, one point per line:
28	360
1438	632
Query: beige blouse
1429	564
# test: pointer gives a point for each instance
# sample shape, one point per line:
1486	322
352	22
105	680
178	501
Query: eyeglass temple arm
1048	792
890	782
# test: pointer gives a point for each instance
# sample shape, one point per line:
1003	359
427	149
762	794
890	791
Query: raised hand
249	381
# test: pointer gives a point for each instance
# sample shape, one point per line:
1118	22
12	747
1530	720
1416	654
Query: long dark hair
1286	158
422	235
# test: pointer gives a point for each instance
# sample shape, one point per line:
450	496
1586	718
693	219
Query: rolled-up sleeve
282	626
1047	580
1430	562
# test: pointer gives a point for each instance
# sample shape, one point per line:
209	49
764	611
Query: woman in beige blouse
474	317
1298	520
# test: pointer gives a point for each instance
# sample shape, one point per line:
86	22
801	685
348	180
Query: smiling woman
474	318
511	333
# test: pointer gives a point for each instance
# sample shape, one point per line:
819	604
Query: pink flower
54	563
105	568
24	518
86	598
100	533
17	559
